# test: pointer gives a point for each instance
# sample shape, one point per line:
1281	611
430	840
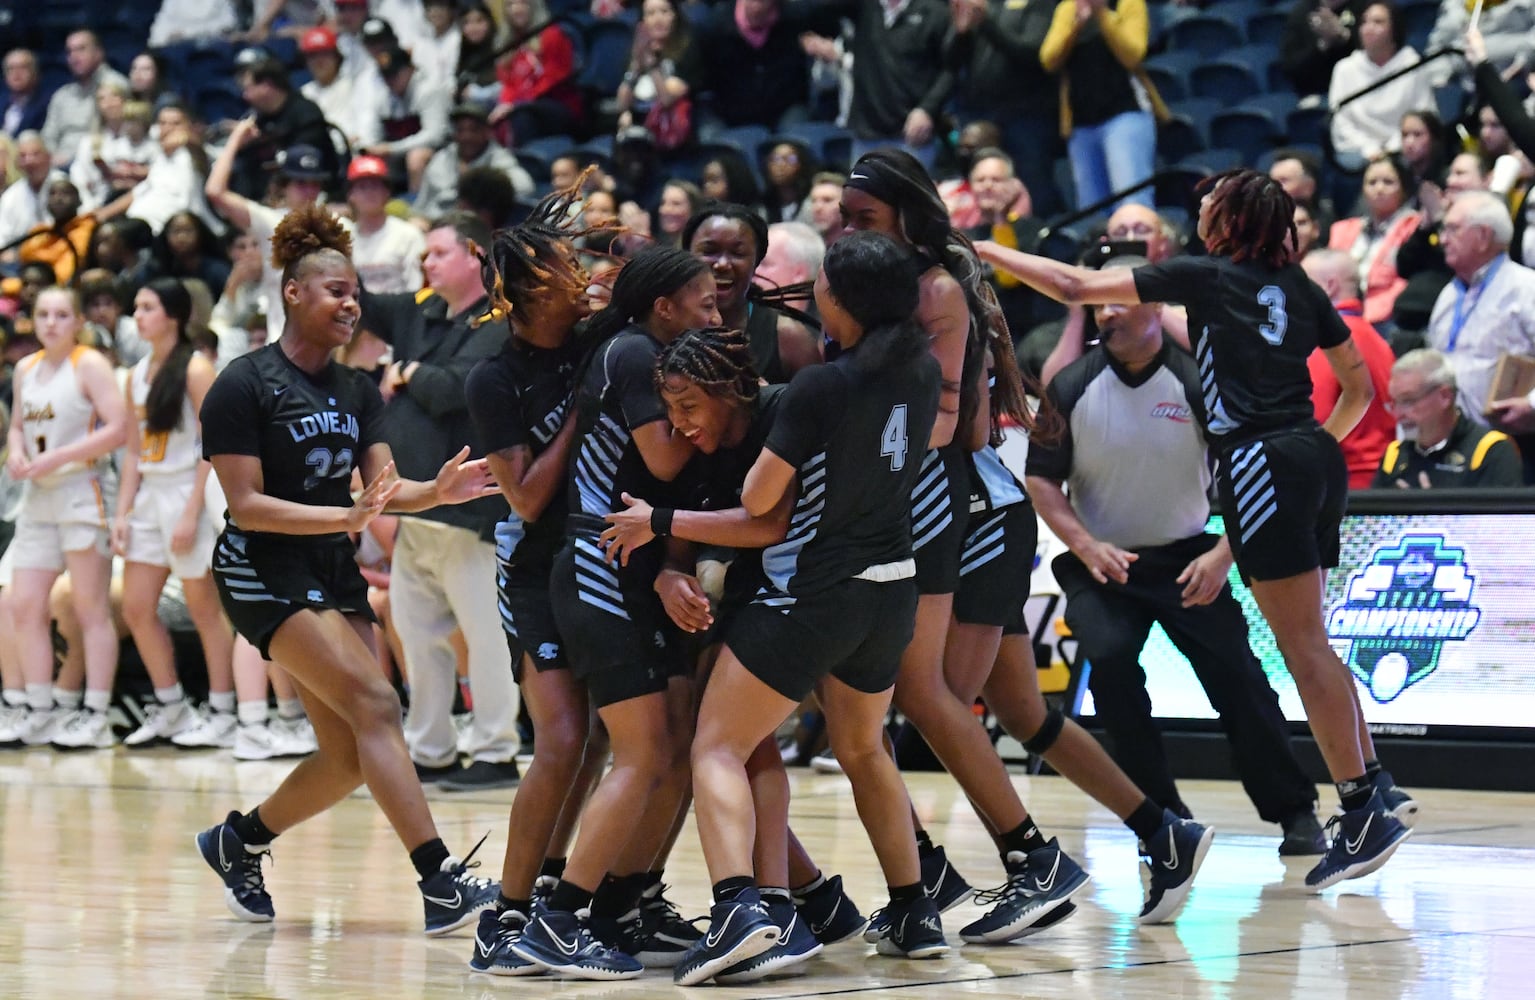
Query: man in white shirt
191	20
472	146
435	53
1487	311
23	205
72	108
385	250
335	91
413	115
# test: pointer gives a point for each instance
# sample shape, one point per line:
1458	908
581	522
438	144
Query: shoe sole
659	959
1365	868
578	971
1037	920
778	965
233	904
1407	814
853	931
750	946
891	949
449	785
1172	901
469	917
505	973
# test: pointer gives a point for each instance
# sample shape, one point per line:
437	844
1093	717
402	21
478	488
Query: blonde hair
9	172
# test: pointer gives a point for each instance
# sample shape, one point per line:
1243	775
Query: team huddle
878	552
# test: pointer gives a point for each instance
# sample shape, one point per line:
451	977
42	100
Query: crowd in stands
168	139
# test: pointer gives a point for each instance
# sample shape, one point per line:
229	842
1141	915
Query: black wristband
661	521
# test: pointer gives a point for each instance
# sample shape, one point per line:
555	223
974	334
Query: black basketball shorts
995	565
527	617
939	505
264	580
1283	496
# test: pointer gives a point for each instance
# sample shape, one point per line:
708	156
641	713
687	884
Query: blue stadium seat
547	148
536	164
1267	27
1307	125
1277	103
1261	59
1179	137
1450	102
1175	186
219	99
1208	34
608	45
1418	17
1251	131
1215	160
1174	66
817	135
1267	159
1199	111
1225	80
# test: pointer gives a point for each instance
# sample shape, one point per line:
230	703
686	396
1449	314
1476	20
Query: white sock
222	702
170	695
66	699
40	697
252	713
290	708
15	698
98	701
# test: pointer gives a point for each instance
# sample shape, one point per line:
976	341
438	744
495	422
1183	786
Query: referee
1133	455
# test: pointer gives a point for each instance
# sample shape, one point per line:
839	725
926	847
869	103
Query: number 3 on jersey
892	441
1271	297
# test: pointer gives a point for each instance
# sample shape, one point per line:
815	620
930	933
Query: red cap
367	166
319	39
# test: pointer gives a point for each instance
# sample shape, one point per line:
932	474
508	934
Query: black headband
874	180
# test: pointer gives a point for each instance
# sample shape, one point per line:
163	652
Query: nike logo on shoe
1353	846
819	929
570	949
224	865
714	937
1172	848
1046	884
456	901
482	949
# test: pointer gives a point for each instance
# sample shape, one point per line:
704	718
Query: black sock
552	868
1146	820
1372	770
737	887
568	897
505	902
1024	839
1356	792
812	885
924	843
428	858
251	831
905	895
617	895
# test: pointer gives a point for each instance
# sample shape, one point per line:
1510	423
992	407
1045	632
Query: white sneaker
163	722
258	743
215	729
826	762
298	735
36	729
83	729
11	719
462	724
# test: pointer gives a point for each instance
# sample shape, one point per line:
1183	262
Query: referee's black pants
1112	621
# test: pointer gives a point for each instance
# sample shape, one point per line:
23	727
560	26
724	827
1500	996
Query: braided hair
716	359
538	256
896	178
1251	217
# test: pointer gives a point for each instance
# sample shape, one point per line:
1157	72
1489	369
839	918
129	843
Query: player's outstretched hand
629	529
459	480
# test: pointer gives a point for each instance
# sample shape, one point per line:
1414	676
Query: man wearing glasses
1437	445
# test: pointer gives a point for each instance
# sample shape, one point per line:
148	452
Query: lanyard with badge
1462	310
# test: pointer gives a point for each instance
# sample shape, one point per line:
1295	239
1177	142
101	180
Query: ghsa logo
1401	609
1176	412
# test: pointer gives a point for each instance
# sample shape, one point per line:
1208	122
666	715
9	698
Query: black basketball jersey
616	395
857	439
1252	328
307	430
762	336
519	398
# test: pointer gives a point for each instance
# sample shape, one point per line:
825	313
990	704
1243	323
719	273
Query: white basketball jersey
163	453
55	412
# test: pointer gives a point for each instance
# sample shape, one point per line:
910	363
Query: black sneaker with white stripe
738	930
562	942
453	897
829	913
946	887
915	931
239	867
493	940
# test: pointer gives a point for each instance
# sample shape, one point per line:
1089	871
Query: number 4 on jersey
892	441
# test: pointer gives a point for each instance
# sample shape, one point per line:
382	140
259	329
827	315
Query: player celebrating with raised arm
1254	318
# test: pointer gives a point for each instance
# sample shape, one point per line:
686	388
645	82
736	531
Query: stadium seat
608	44
1418	17
817	135
536	164
547	148
1215	160
1251	131
1225	80
1208	34
1307	125
1175	66
1199	110
1267	27
1179	137
1175	186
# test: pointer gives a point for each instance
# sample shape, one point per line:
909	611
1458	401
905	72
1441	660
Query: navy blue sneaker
493	940
1397	802
1362	841
738	930
828	912
914	931
1174	854
795	946
943	885
1038	884
664	935
561	942
240	867
453	897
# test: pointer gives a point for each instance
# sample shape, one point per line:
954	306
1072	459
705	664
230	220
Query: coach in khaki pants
444	571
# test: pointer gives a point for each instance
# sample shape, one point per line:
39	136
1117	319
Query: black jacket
751	86
899	68
298	122
997	64
427	422
1308	67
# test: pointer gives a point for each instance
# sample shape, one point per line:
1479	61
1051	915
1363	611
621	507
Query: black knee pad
1049	732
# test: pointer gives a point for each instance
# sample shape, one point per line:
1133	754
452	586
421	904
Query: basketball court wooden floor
103	895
